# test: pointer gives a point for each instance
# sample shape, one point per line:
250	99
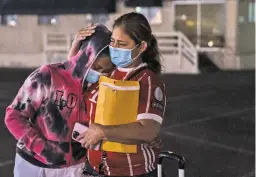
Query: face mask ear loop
139	53
135	47
124	49
93	62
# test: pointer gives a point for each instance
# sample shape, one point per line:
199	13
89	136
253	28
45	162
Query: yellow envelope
117	104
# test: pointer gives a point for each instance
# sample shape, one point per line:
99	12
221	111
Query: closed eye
98	67
120	44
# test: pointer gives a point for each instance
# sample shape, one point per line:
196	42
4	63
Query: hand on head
84	32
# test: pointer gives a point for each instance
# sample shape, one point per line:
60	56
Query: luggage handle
172	156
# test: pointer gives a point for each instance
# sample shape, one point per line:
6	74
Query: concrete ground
210	120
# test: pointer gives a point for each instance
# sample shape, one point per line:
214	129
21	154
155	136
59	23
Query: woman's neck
135	63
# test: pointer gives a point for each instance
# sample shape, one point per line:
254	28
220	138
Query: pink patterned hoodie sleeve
24	110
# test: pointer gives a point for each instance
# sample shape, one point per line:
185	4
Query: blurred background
220	30
208	54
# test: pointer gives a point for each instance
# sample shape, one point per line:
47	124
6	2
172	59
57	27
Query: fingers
87	29
91	25
84	139
85	32
86	145
81	136
88	142
81	37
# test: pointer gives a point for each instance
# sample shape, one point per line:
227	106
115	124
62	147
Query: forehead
119	34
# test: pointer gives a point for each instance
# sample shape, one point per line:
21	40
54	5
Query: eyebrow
118	40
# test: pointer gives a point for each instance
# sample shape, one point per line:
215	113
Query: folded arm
21	115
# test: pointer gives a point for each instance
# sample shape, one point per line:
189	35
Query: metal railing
174	43
56	47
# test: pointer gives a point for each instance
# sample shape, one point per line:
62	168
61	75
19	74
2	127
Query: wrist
103	130
76	43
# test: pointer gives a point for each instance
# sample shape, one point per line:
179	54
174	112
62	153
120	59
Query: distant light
138	9
53	21
184	17
12	23
190	23
215	31
88	17
210	43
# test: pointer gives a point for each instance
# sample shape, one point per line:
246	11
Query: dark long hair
137	27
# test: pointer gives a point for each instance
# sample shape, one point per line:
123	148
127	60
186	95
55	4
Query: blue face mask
121	57
93	76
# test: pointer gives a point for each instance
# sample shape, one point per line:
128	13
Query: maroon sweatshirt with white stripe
152	101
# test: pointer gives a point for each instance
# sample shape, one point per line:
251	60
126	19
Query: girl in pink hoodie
49	103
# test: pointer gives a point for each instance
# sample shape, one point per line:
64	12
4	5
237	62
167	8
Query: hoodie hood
91	48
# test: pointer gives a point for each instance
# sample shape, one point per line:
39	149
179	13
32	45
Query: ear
143	46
